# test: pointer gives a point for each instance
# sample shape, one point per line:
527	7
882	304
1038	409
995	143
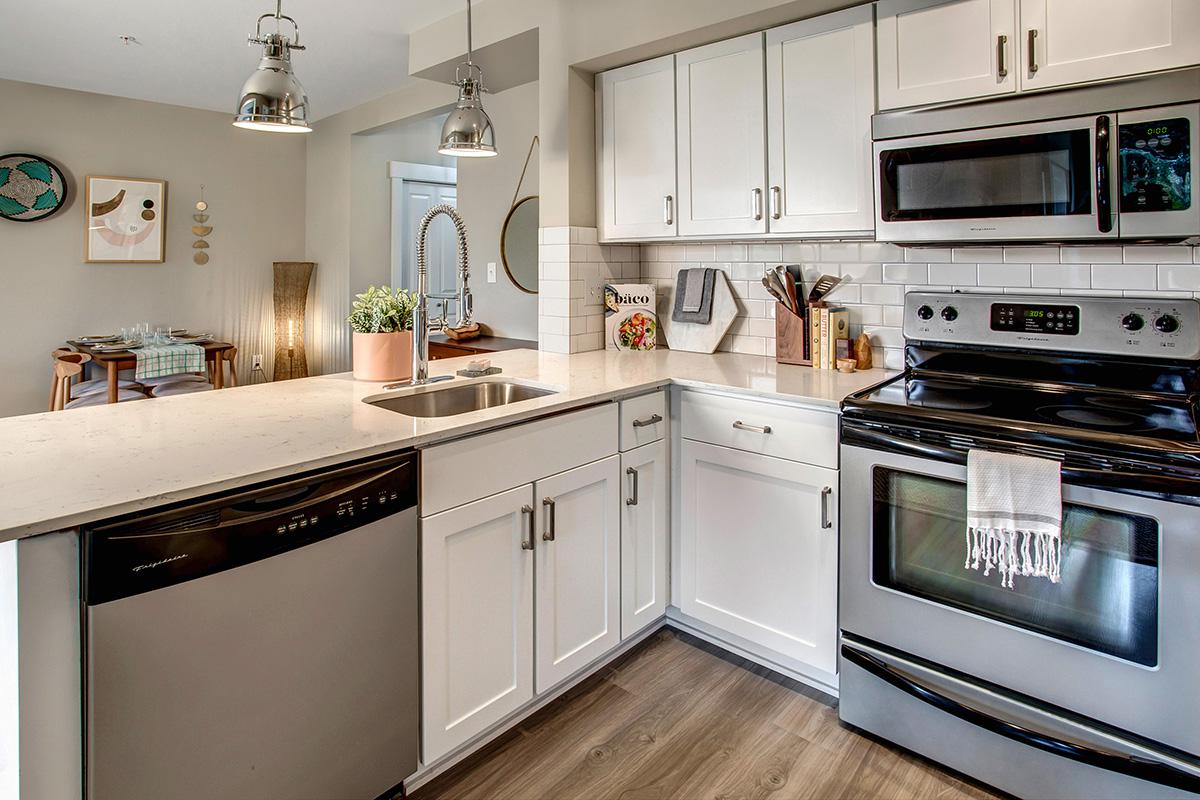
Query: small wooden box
791	338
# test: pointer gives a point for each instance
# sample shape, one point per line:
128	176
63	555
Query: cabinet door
644	536
1072	41
578	568
477	617
722	146
758	546
636	139
934	51
820	98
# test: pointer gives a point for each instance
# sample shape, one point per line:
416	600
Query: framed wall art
126	220
31	187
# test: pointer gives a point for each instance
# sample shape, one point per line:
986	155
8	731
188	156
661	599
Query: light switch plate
491	272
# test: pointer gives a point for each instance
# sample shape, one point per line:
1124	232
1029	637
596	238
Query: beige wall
254	184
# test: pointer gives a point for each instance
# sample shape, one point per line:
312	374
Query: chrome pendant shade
272	98
468	130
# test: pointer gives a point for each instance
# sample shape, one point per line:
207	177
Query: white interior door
644	536
636	160
578	569
820	98
935	51
1074	41
441	245
721	130
476	618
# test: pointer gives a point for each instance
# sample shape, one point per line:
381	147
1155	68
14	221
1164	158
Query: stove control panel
1149	327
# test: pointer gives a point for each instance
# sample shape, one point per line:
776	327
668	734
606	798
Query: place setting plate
193	338
102	339
114	346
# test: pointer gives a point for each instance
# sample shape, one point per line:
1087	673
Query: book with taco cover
629	319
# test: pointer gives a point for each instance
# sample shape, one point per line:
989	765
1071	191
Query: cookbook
629	319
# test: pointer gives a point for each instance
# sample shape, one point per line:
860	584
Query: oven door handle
1103	202
1134	766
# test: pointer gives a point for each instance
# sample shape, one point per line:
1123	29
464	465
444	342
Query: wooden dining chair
66	393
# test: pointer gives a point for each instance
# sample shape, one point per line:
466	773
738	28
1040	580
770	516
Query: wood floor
677	718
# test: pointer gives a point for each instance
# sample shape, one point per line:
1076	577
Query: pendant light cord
468	31
523	169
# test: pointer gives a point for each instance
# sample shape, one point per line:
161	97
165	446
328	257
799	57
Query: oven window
1019	176
1108	597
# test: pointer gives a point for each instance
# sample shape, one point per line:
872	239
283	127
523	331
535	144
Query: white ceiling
195	53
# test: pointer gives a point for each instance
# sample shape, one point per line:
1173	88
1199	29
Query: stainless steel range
1087	688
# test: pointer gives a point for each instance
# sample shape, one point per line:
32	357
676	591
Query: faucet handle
466	307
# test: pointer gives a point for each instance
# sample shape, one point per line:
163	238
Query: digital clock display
1040	319
1035	313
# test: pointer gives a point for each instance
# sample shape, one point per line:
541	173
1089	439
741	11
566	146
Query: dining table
117	360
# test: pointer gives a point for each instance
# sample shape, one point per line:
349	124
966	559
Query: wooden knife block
791	337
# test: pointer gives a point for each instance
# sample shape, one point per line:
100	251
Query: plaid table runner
171	359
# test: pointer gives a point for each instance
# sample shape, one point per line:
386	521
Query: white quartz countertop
65	469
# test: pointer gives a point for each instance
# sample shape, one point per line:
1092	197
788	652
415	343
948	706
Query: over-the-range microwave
1054	167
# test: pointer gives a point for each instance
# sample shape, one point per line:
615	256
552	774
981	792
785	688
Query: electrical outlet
256	361
491	272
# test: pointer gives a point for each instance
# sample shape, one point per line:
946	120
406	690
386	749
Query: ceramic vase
382	356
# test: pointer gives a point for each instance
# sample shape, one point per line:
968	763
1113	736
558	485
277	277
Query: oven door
1046	181
1118	640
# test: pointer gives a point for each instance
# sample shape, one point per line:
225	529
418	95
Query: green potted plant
381	321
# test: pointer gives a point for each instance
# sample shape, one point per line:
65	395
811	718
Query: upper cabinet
820	97
635	112
721	142
1073	41
934	51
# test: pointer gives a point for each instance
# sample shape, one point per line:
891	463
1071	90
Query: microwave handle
1104	219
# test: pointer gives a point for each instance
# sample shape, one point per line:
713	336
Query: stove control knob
1132	322
1166	324
925	312
949	313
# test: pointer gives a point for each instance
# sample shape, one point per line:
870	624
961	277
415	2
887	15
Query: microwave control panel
1156	165
1056	319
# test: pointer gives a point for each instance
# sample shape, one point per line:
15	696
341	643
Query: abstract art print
126	220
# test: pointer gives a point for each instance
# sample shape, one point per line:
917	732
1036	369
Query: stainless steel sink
459	399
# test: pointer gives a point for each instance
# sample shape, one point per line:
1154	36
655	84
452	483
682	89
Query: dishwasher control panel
143	552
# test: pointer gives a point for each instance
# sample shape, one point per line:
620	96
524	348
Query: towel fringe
1039	554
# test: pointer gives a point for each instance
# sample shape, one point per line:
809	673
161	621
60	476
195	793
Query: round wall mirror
519	244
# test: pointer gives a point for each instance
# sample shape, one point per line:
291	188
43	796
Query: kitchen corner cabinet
578	554
721	138
758	549
936	51
820	98
635	111
644	536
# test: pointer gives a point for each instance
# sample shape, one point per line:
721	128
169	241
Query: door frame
402	260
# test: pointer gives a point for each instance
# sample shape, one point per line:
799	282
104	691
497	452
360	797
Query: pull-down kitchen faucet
462	296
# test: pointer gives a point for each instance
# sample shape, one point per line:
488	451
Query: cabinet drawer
467	469
798	434
643	420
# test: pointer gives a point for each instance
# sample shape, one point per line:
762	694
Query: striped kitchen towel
170	359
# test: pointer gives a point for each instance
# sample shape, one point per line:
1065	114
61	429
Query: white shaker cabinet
1074	41
758	546
644	536
936	51
477	617
820	98
578	578
721	138
635	109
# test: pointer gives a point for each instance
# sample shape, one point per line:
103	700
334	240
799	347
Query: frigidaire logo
159	563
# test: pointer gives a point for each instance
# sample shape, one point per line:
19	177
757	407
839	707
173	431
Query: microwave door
1158	180
1046	181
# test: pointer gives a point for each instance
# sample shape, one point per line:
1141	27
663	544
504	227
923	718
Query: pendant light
468	130
272	99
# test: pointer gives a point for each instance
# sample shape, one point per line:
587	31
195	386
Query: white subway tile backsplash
1031	255
1003	275
882	295
672	253
700	252
862	273
893	316
953	274
1062	276
1158	254
839	251
884	337
1091	255
976	255
906	273
795	253
1124	276
929	255
868	315
766	252
880	251
1179	276
731	252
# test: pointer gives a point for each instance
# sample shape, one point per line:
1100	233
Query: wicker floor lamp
291	296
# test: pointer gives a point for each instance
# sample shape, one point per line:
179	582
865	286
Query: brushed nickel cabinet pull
741	426
776	202
633	501
653	419
1033	67
527	544
1001	46
548	536
668	210
757	200
825	494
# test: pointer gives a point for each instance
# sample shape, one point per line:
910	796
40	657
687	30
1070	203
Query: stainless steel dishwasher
260	644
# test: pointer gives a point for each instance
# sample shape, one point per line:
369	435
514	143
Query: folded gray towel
694	295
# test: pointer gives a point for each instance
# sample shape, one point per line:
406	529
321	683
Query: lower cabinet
758	549
477	617
645	536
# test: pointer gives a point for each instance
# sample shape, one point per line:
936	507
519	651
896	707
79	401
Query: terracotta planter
383	356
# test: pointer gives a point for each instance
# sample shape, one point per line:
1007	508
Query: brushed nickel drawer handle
527	544
776	202
548	536
1001	47
668	210
1033	67
741	426
757	201
653	419
825	494
633	501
